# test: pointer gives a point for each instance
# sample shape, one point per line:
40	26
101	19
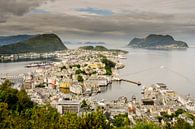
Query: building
161	85
64	106
76	89
65	87
98	81
170	93
148	102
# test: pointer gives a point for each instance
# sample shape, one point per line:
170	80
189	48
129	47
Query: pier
133	82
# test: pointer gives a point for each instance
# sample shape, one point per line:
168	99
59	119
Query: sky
115	21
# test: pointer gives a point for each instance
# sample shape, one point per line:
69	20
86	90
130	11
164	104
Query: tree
146	125
3	115
80	78
182	124
8	95
24	101
121	120
69	121
178	112
95	120
108	65
44	117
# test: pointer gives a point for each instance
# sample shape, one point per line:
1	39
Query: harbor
76	78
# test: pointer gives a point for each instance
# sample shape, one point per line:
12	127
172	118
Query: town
70	84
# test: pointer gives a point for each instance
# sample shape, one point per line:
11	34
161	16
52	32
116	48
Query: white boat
122	57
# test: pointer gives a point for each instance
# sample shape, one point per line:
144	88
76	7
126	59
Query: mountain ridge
6	40
39	44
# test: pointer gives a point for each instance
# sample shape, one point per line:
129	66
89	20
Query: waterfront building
64	106
76	89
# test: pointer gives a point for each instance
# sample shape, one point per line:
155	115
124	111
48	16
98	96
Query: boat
31	65
122	57
42	64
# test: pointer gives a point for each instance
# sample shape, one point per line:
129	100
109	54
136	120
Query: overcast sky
99	20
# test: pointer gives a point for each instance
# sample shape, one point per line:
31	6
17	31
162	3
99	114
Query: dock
133	82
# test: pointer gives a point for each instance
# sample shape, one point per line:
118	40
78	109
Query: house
65	86
76	89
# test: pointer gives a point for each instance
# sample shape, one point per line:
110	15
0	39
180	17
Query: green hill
94	48
39	44
102	48
157	41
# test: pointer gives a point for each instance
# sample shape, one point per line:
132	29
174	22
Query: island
154	41
40	43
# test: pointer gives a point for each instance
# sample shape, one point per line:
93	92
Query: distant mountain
5	40
38	43
95	43
87	43
157	41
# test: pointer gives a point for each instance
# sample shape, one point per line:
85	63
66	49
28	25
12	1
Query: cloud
16	7
96	11
113	20
95	26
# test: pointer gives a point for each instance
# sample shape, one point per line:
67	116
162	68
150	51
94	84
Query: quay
137	83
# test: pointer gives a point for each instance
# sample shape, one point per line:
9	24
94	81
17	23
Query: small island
154	41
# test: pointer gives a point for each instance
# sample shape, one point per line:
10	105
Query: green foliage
181	124
108	65
44	117
146	125
116	51
16	100
69	121
121	120
40	85
94	120
178	112
94	72
108	70
96	48
79	71
84	104
63	67
100	48
24	101
80	78
167	117
76	65
87	48
17	111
